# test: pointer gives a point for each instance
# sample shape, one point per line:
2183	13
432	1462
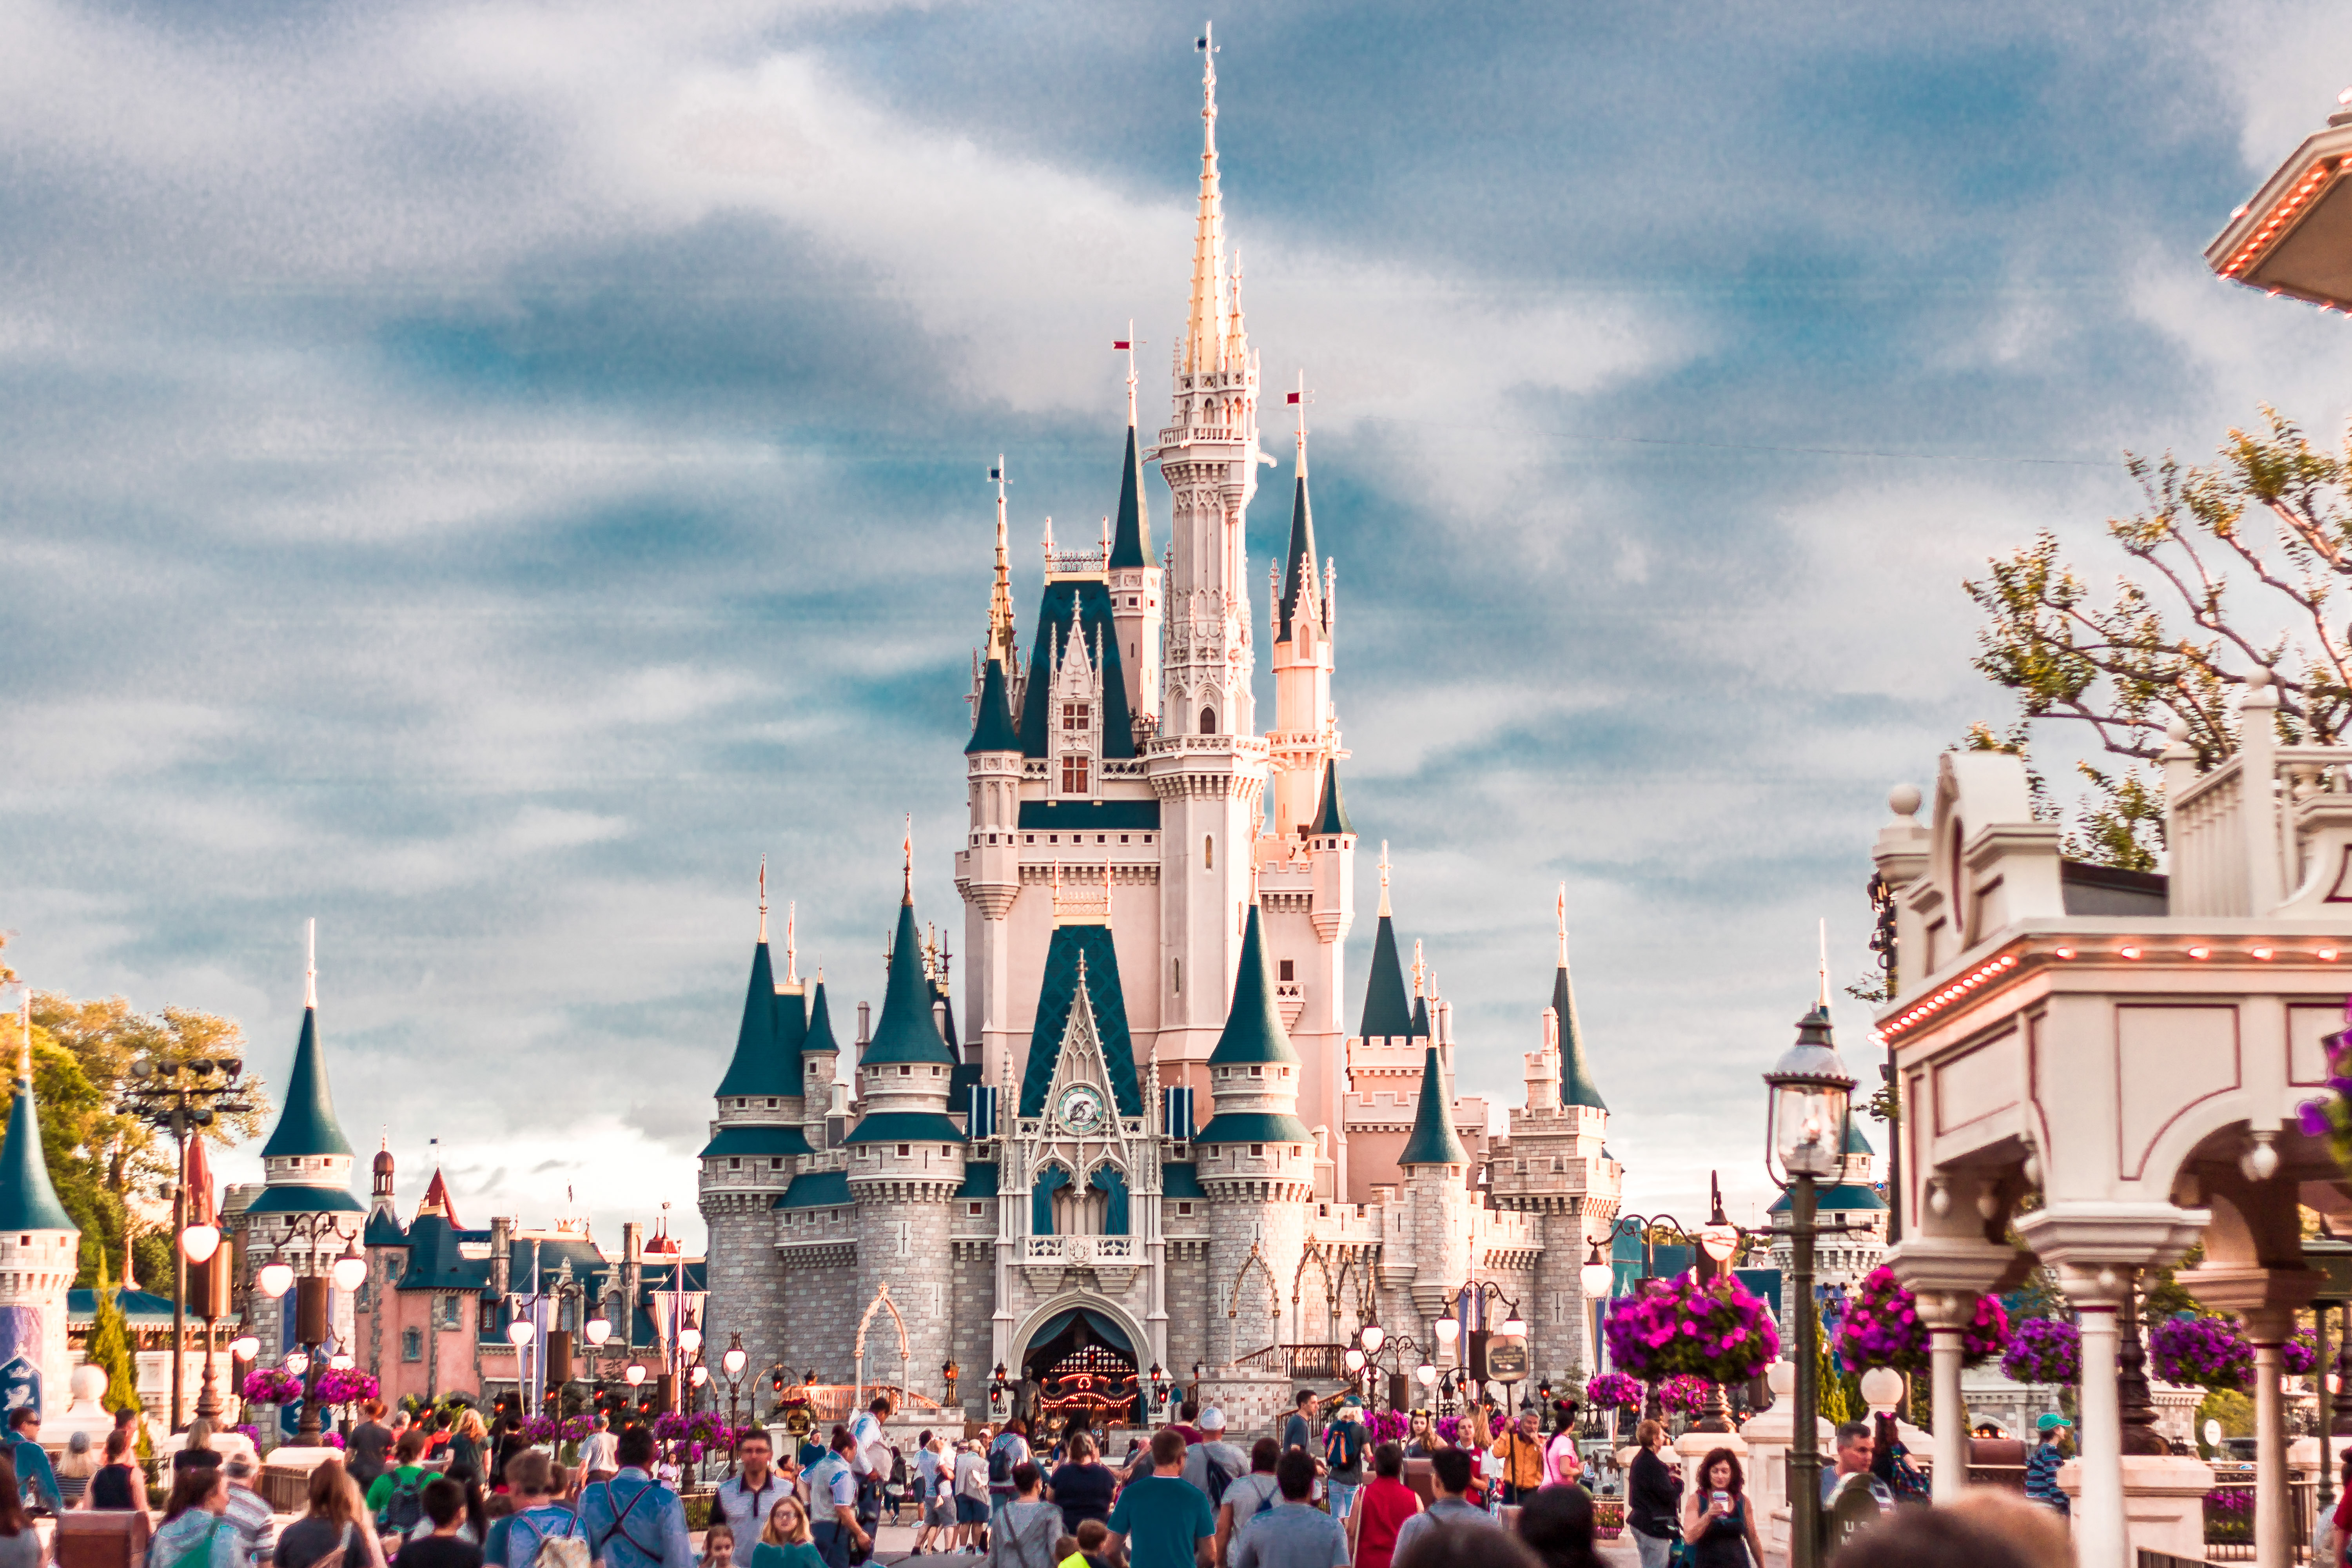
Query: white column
2274	1527
1951	1416
2099	1531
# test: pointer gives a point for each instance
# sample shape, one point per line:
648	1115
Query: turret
40	1246
1331	849
1388	1010
757	1137
1575	1085
1253	1082
820	1064
1306	734
1135	580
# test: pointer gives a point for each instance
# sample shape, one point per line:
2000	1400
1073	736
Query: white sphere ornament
275	1279
519	1332
1780	1378
1882	1389
599	1330
635	1374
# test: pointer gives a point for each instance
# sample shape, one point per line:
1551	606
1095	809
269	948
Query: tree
2273	515
109	1347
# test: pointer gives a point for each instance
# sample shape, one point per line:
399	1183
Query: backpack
405	1506
564	1549
1217	1478
1000	1463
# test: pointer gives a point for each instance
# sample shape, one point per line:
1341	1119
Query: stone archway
1080	1362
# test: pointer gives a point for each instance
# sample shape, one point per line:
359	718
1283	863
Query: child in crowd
719	1547
1090	1548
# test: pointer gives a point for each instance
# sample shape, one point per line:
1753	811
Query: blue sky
483	474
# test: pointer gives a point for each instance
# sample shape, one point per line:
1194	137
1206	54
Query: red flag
1121	343
1290	397
199	1179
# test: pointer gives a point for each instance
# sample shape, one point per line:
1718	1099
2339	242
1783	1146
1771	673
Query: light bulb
599	1330
350	1271
734	1361
1515	1329
275	1279
1448	1331
519	1332
635	1374
1427	1373
689	1339
1374	1336
701	1376
200	1242
1355	1359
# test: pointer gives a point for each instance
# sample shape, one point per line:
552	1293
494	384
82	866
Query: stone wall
749	1292
1188	1305
917	1263
819	1285
974	1310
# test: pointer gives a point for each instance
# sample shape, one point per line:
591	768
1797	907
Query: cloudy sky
483	474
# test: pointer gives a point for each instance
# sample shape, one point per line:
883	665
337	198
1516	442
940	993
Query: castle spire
1299	561
1388	1008
1211	318
310	962
906	883
306	1124
792	953
764	900
1576	1086
1000	598
1432	1141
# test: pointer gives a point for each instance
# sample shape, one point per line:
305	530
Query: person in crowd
1089	1548
1465	1545
1985	1526
117	1484
1563	1465
249	1512
1083	1486
1856	1445
370	1441
1475	1437
468	1445
1247	1497
633	1521
197	1449
1718	1522
1213	1463
971	1483
1382	1510
444	1543
745	1498
1420	1438
869	1461
1519	1459
80	1462
513	1542
20	1539
1007	1450
1344	1443
1298	1431
1653	1491
1449	1478
1557	1525
717	1546
397	1497
2041	1465
1293	1533
1021	1533
507	1441
596	1455
37	1482
195	1533
832	1504
1158	1521
1187	1414
785	1540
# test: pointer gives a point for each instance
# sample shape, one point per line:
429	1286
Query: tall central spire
1205	340
999	597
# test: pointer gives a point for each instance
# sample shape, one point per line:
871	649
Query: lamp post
181	1098
1377	1354
1810	1101
313	1328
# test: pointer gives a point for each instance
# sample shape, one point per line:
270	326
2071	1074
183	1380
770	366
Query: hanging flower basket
271	1385
345	1386
1717	1331
1881	1327
1613	1391
1685	1394
2044	1350
2203	1352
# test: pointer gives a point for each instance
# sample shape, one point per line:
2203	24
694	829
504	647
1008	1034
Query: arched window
1208	721
1208	852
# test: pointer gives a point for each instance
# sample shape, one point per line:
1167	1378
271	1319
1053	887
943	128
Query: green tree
2241	561
109	1347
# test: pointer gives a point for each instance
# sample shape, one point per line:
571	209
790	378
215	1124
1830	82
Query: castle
1157	899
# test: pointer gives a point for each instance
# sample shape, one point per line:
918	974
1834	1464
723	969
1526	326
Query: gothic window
490	1317
1208	721
1077	716
1288	974
1074	770
412	1344
449	1318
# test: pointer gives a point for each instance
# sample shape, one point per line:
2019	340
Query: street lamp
1598	1276
275	1277
1810	1098
182	1099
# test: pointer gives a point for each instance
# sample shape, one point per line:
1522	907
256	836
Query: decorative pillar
2268	1328
2099	1529
1948	1314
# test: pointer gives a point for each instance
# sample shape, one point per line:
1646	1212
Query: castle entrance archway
1078	1372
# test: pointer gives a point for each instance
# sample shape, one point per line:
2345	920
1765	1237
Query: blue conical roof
1421	1016
1576	1086
761	1065
819	1040
307	1125
992	728
27	1199
1330	811
1299	561
1387	1009
1130	542
1432	1141
907	1032
1254	1031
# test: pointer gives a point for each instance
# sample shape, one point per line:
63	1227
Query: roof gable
760	1065
1081	954
1086	602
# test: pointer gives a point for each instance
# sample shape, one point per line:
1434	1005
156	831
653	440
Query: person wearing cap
2041	1465
1213	1463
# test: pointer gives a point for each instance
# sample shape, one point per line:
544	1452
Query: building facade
1154	1139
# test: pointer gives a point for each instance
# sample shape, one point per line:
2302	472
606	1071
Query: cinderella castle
1152	1141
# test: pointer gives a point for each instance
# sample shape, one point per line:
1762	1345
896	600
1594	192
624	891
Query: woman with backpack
336	1533
1023	1531
194	1533
538	1518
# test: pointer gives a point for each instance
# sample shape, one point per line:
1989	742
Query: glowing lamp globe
701	1376
1597	1276
1355	1359
1374	1337
519	1332
689	1339
1448	1331
635	1374
1514	1328
734	1361
1719	1241
275	1277
350	1271
1427	1374
244	1347
599	1330
1811	1095
298	1363
200	1242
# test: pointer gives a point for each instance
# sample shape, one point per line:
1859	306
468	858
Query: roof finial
764	900
1128	343
1384	876
906	883
1299	400
310	963
999	597
791	967
1205	335
1564	925
1419	969
25	1043
1826	969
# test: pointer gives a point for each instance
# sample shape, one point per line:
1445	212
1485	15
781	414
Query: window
1176	975
1075	716
973	1209
734	1163
771	1102
1257	1072
1183	1209
412	1344
905	1150
1075	769
449	1318
775	1162
1209	852
1257	1150
1288	970
490	1317
906	1072
1208	721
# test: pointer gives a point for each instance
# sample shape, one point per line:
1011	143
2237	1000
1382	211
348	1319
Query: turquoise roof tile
290	1199
817	1190
1058	993
1848	1195
907	1031
1432	1141
1130	542
1576	1086
760	1065
906	1126
1254	1031
1855	1142
1332	811
1388	1010
1086	602
993	728
1089	816
1299	561
307	1125
819	1040
756	1141
980	1180
1181	1180
1253	1127
28	1201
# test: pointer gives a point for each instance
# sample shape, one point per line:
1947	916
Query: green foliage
2234	1409
1830	1388
2162	1295
2241	560
109	1348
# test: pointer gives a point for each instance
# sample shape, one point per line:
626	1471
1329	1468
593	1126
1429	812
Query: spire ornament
310	962
764	900
1000	598
1205	349
1384	878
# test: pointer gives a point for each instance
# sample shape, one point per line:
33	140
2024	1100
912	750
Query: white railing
1078	1249
2236	851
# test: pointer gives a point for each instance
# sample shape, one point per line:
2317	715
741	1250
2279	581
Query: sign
2212	1433
1506	1360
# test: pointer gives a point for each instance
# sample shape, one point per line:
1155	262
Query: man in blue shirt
633	1521
1162	1520
745	1497
2041	1465
39	1482
833	1503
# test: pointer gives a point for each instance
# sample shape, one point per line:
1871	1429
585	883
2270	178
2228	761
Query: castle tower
1255	1160
306	1171
1558	1172
991	869
1208	766
820	1068
906	1162
1436	1194
40	1251
1135	579
1306	735
756	1147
